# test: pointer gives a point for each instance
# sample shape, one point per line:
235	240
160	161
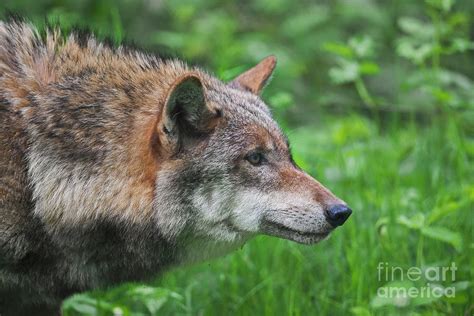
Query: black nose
338	214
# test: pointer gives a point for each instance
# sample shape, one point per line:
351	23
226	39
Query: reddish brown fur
116	165
254	80
292	178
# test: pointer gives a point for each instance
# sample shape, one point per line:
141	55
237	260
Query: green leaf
363	46
381	225
416	28
419	300
415	222
360	311
441	95
461	45
461	285
462	295
154	305
81	303
459	298
339	49
442	211
445	235
414	51
444	5
369	68
347	72
392	294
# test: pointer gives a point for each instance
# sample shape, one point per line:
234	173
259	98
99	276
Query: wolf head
229	173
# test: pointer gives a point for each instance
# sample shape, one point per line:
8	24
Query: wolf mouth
280	230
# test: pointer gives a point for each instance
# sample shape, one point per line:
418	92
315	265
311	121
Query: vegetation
377	98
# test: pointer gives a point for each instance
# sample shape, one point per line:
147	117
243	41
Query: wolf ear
255	78
186	112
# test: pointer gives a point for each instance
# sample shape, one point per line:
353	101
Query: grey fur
75	212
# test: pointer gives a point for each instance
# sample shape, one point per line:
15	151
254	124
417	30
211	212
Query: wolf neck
91	154
196	250
66	194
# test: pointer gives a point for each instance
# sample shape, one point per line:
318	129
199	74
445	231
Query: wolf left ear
186	112
255	78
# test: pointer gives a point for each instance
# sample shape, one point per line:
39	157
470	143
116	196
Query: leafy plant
426	43
355	60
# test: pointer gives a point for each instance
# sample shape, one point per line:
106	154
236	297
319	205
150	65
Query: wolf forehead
247	116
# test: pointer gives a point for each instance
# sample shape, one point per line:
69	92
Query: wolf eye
255	158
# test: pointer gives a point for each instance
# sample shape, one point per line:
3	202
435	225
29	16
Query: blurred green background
377	98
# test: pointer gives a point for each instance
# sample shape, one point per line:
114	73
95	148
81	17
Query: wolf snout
337	214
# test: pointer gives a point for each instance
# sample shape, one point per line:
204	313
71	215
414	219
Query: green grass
421	172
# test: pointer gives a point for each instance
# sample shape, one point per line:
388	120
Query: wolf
116	165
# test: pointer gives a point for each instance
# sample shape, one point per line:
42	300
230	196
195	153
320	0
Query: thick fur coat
116	165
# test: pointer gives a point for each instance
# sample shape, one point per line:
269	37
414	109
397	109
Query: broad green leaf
369	68
84	304
419	300
461	285
414	51
339	49
381	225
445	235
461	45
441	95
459	298
415	222
394	293
154	305
416	28
147	290
444	5
442	211
363	46
360	311
346	72
455	79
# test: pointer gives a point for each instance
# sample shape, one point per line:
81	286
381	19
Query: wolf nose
337	214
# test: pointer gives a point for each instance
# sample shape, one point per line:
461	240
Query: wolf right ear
255	78
186	114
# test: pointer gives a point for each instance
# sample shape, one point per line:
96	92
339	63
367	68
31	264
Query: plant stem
419	255
364	93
